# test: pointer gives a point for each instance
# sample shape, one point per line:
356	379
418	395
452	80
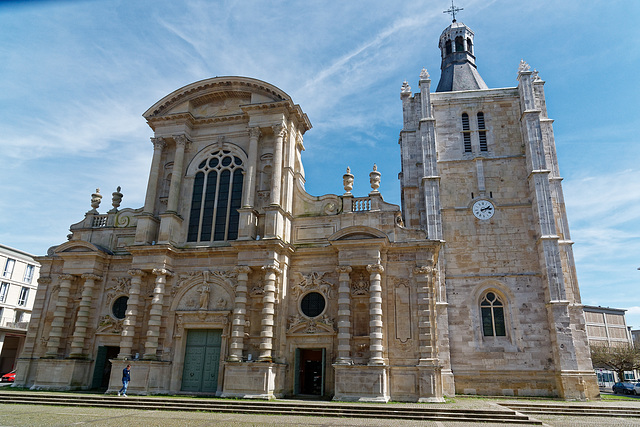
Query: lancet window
217	195
492	312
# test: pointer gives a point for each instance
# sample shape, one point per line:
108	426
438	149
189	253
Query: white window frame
4	291
24	296
28	273
8	268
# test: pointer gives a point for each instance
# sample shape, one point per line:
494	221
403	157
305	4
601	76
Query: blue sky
76	76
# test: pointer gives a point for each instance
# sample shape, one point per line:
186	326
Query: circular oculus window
119	308
312	304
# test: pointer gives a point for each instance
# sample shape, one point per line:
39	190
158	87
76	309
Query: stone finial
374	178
424	74
347	181
116	200
536	77
96	198
523	66
406	89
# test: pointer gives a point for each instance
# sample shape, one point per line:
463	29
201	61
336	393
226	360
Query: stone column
131	318
82	321
268	312
279	131
36	315
176	176
426	315
250	175
155	314
344	317
152	186
239	311
375	315
57	324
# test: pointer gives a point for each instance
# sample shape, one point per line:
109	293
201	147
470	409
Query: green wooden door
202	360
101	360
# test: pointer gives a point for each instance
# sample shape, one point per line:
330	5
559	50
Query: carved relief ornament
311	282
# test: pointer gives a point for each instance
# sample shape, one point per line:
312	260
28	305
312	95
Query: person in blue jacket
126	377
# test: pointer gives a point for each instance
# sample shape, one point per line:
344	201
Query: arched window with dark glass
217	195
466	133
482	132
492	312
447	47
459	44
469	46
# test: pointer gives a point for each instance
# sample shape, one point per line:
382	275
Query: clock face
483	209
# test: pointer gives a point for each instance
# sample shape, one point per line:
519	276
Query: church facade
232	280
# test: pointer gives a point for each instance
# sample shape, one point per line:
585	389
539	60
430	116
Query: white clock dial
483	209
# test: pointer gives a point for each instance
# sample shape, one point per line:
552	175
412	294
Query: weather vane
452	10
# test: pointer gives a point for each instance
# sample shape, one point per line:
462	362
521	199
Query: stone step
581	410
426	413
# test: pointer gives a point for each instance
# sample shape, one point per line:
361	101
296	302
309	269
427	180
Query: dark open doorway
102	370
310	371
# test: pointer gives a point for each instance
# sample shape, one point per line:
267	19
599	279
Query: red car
9	378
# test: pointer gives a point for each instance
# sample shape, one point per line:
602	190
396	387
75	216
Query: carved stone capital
136	272
422	270
375	268
63	277
270	268
279	130
344	269
44	280
91	276
162	272
243	269
254	132
181	140
158	143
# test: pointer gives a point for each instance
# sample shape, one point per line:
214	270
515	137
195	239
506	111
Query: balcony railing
361	204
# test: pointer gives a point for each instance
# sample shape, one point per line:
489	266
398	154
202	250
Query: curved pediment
80	246
217	96
357	232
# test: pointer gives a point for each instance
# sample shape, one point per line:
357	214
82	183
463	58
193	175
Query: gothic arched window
466	133
492	312
469	46
217	195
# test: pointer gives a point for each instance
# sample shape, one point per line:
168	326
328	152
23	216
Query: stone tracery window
217	195
492	312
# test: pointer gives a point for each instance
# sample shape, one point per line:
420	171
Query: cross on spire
452	10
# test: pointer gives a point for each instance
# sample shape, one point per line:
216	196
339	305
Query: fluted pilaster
152	186
250	176
176	176
279	131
